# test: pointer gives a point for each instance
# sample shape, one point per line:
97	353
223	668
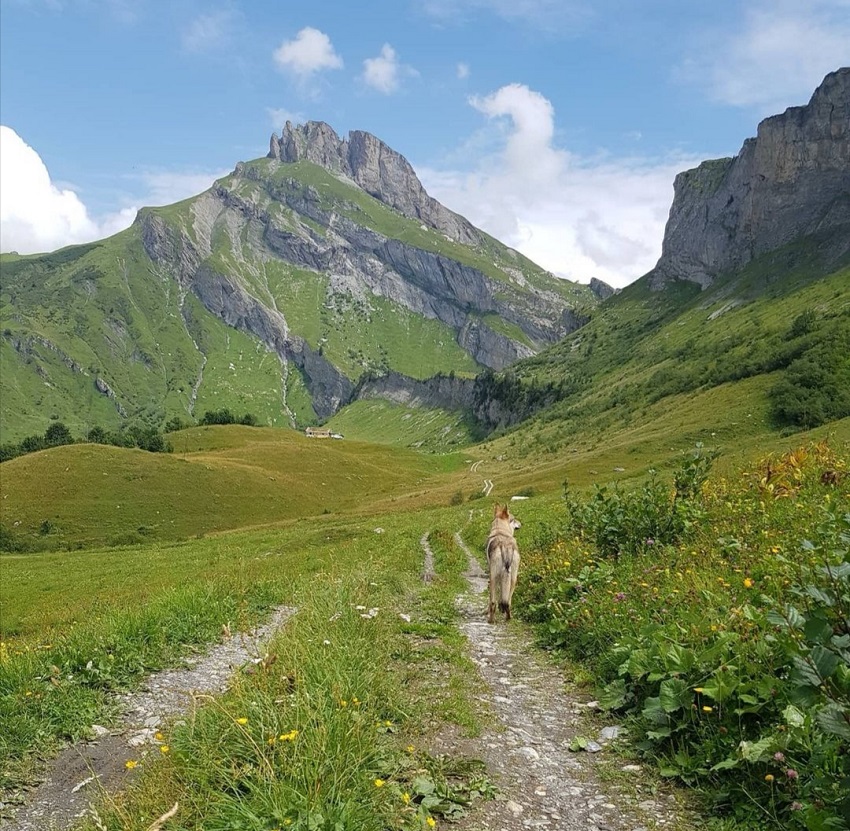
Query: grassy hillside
218	478
383	422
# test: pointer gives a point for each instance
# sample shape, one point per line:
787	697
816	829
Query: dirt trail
84	772
543	784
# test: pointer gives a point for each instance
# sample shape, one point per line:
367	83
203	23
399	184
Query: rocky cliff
790	181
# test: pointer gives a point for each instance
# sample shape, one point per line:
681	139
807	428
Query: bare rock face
601	289
792	180
375	167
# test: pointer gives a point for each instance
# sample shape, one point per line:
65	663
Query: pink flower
779	756
791	773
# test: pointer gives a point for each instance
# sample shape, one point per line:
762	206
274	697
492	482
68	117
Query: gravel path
82	773
544	784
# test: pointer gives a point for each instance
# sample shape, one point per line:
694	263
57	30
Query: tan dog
503	559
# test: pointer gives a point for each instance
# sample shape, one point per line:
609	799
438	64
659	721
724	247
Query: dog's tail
505	584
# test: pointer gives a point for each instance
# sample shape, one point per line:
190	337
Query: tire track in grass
86	771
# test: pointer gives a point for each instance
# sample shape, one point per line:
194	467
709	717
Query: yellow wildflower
748	583
707	709
164	748
159	737
431	822
698	689
410	748
769	777
405	798
242	720
130	764
379	783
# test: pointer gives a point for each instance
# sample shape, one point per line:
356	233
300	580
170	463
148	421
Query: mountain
791	181
743	326
273	292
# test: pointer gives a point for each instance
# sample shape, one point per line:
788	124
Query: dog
503	560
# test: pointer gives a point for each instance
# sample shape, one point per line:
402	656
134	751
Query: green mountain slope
271	293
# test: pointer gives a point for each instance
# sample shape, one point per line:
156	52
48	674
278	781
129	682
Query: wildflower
405	798
431	822
779	756
159	737
343	702
796	806
769	778
130	764
164	748
242	720
697	689
410	748
271	741
792	774
379	783
619	597
748	583
707	709
289	737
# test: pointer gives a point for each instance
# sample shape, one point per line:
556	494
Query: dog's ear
500	511
497	509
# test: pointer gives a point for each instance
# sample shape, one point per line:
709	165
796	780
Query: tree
57	434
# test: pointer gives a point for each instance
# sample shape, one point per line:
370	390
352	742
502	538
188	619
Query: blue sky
558	125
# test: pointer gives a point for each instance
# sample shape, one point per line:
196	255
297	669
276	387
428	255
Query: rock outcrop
790	181
601	289
375	167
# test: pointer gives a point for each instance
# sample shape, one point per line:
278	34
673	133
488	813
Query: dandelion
242	720
164	748
769	778
130	764
748	583
379	783
707	709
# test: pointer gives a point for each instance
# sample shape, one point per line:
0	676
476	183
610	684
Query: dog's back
503	559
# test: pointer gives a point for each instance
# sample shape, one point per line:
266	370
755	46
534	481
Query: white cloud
309	52
578	217
384	72
463	71
209	31
775	56
37	215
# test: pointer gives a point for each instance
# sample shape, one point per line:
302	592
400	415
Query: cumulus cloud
36	215
309	52
578	217
209	31
775	56
384	73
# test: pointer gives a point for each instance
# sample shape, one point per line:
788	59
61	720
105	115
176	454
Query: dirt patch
84	772
542	783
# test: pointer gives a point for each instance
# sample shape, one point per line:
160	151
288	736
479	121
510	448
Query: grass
343	706
382	422
218	478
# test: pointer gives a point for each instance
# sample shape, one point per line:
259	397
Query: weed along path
86	771
544	784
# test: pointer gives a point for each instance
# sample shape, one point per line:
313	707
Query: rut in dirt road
84	772
544	784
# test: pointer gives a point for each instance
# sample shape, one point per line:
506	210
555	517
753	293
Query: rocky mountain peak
792	180
374	166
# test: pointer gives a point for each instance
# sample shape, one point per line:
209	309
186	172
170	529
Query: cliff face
373	166
792	180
